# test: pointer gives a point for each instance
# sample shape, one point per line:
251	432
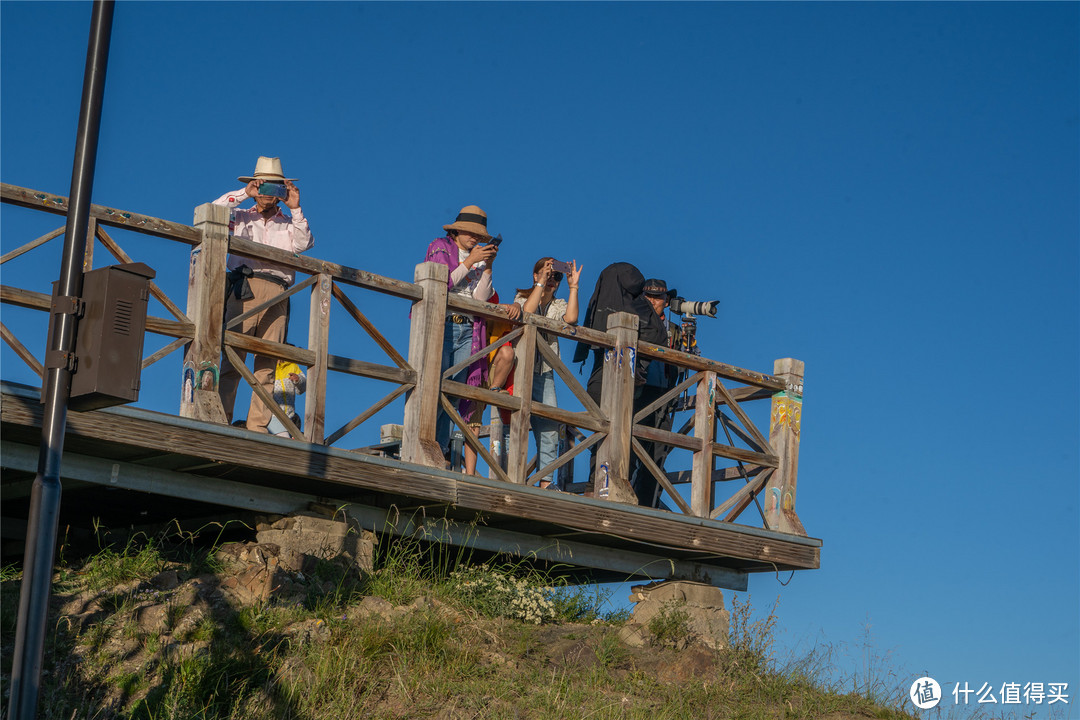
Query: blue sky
888	192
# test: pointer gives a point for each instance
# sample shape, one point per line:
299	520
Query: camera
496	241
682	306
273	189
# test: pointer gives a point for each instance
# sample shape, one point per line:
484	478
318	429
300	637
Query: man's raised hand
293	200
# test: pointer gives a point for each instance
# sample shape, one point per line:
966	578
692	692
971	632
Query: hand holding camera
482	253
285	191
570	270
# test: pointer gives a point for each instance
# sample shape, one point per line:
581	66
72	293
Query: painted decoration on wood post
208	376
187	394
786	413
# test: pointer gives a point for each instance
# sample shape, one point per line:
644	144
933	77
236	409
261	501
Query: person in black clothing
620	288
659	378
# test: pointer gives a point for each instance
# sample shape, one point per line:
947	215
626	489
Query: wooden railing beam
369	327
722	475
58	205
40	301
314	266
32	244
696	362
21	350
491	311
513	403
118	252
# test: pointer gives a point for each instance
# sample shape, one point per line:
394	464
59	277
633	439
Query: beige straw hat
472	220
269	169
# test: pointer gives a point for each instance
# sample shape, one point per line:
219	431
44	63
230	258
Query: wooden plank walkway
216	465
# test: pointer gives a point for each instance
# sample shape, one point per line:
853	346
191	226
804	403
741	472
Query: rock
152	618
423	603
307	630
707	619
372	605
167	580
302	539
188	622
180	650
634	635
280	564
256	574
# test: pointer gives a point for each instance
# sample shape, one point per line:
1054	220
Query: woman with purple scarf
468	255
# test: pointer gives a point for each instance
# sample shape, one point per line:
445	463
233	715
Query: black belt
236	282
460	319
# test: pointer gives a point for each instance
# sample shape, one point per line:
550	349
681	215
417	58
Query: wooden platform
113	458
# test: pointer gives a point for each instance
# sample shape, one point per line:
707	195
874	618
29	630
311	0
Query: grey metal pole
45	496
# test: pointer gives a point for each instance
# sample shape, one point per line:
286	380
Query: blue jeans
457	346
545	430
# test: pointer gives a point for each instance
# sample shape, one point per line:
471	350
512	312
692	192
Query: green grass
478	647
670	626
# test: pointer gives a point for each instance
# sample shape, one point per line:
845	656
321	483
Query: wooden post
617	400
418	443
701	476
784	424
206	310
517	455
318	342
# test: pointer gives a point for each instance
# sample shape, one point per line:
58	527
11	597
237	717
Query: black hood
619	289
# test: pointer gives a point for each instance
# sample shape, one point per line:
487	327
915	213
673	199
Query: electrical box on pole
107	361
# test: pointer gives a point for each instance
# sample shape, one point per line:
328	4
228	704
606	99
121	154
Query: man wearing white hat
252	282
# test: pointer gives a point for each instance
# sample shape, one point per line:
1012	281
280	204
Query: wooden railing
767	465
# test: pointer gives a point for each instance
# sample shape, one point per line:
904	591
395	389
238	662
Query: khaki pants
271	324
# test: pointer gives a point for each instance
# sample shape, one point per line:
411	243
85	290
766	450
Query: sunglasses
556	276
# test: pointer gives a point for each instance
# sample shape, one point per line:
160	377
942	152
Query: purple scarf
444	250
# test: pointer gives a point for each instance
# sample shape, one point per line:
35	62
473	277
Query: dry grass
450	641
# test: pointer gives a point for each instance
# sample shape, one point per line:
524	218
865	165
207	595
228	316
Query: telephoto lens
682	306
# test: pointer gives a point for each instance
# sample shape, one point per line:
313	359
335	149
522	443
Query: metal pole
45	497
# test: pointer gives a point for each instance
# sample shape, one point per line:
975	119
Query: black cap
657	287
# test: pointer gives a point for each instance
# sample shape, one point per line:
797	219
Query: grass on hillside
451	640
